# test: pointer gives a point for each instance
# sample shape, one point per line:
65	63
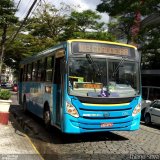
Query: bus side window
42	69
49	69
21	74
33	71
29	72
39	70
25	73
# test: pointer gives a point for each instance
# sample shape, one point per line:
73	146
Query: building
151	84
7	75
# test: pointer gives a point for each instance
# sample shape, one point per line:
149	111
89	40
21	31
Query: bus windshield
102	77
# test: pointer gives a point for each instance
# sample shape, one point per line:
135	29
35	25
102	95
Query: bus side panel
48	99
34	97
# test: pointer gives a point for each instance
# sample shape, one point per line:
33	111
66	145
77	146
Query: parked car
3	84
15	88
152	113
6	85
145	104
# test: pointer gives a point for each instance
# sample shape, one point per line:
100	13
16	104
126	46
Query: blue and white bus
82	86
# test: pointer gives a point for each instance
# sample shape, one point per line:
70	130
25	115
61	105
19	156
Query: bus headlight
71	110
136	110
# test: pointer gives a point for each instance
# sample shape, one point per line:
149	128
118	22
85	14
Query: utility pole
28	13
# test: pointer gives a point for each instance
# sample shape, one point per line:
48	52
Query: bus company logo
106	114
125	114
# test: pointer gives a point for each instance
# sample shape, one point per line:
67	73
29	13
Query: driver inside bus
104	92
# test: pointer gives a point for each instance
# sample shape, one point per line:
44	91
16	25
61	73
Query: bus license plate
106	125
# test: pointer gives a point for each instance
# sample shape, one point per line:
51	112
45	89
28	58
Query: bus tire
24	105
47	117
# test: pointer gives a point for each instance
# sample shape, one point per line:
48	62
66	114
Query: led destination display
102	48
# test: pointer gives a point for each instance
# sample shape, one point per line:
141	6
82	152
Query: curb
25	124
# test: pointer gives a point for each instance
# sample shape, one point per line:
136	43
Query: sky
84	5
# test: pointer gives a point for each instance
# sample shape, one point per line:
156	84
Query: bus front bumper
80	125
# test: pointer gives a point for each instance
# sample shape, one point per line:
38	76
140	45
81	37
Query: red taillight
15	88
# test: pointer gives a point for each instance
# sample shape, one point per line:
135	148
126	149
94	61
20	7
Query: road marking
34	147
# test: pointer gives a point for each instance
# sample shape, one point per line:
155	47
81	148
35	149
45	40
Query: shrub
5	94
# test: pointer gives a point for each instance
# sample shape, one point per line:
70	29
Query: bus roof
59	46
43	53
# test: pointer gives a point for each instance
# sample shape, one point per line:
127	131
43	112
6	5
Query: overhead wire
18	4
23	22
26	8
35	8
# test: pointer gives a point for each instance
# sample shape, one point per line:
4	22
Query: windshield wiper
117	68
94	65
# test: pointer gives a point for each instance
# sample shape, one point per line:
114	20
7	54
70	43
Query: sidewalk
14	144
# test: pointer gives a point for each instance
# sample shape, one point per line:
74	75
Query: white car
145	104
152	113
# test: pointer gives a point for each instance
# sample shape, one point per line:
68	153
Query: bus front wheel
47	118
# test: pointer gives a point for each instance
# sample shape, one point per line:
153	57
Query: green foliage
120	27
7	18
7	11
85	25
49	22
5	94
150	50
49	26
121	7
85	20
124	12
148	38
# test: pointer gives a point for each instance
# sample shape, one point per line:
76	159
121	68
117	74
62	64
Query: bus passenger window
33	71
39	70
49	69
42	70
25	73
29	71
21	75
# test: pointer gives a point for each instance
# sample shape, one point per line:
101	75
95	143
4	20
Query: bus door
59	81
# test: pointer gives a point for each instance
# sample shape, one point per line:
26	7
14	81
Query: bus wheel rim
46	117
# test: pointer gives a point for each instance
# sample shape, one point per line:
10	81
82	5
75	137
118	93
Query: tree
49	22
150	49
85	24
122	7
129	13
128	23
120	27
7	11
86	20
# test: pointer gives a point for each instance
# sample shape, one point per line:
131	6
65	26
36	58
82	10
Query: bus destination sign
100	48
